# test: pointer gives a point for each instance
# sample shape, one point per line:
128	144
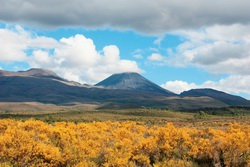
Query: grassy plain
89	113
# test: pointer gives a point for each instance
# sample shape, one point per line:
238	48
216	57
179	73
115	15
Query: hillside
132	81
34	72
226	98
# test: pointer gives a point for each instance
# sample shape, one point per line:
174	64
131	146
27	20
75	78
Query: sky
178	45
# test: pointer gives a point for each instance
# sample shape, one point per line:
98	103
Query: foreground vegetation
36	143
82	136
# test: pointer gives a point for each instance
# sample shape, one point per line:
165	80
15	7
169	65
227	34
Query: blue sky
178	46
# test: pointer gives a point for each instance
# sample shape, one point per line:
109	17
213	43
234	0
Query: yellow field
35	143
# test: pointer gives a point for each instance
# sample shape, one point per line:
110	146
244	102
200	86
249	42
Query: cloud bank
153	17
234	84
74	58
217	49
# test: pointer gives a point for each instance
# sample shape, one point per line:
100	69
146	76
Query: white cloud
157	16
138	56
76	51
42	57
12	45
42	42
111	54
72	76
74	58
158	41
15	41
178	86
233	84
156	57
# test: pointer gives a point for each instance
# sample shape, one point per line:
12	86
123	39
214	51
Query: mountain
120	91
40	73
34	72
226	98
132	81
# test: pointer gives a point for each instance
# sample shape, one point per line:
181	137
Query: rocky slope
132	81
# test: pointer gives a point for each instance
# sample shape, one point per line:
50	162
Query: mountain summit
33	72
131	81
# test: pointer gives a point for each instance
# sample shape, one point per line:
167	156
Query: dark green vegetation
225	111
90	113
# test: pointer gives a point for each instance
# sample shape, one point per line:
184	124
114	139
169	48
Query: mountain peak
39	72
33	72
127	73
131	81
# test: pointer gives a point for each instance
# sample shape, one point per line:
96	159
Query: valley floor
33	134
89	113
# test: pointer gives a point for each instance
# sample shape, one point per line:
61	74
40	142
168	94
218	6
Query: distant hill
120	91
40	73
226	98
34	72
132	81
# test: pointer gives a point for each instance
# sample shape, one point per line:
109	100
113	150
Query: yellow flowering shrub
118	144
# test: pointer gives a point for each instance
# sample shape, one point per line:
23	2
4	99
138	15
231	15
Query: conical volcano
131	81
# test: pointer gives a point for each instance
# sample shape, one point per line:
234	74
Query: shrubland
124	143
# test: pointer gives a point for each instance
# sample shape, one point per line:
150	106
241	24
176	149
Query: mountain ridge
231	100
38	85
33	72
